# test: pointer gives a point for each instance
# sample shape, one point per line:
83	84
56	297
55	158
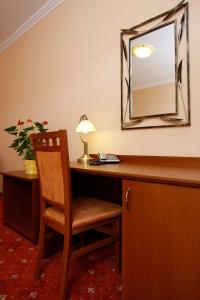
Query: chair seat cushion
85	211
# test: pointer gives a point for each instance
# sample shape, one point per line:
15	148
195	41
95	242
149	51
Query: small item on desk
108	158
96	162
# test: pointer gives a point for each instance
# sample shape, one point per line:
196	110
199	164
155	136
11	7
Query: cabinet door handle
126	198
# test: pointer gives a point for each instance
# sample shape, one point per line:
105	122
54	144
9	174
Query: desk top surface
181	171
150	172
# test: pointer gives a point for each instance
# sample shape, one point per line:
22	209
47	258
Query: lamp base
85	158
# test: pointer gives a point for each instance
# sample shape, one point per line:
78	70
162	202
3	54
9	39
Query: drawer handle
126	198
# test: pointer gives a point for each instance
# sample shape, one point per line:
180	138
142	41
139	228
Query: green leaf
27	129
15	143
22	133
12	130
19	151
24	144
40	127
29	154
13	133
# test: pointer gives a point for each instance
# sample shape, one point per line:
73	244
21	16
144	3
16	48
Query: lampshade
143	50
85	125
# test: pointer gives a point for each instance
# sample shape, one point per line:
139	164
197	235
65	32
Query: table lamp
85	126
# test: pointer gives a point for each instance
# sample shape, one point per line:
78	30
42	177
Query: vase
30	167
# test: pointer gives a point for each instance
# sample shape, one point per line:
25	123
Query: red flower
20	122
45	122
29	121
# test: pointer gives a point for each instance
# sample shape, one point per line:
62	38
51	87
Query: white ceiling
17	16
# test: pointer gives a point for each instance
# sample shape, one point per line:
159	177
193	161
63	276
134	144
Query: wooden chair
63	214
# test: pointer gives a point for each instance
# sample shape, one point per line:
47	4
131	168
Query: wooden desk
160	221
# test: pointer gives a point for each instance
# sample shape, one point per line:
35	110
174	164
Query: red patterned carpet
93	276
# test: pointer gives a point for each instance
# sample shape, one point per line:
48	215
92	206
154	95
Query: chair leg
117	233
64	284
40	254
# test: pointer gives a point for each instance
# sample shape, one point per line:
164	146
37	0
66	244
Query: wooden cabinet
160	241
21	203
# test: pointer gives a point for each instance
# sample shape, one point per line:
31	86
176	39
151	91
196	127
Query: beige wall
154	100
69	64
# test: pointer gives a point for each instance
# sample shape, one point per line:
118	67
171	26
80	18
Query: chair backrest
52	158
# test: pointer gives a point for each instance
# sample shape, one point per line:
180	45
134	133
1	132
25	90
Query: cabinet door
161	242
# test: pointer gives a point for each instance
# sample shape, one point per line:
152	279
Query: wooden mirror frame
178	15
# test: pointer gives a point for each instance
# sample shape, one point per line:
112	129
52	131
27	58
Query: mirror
155	72
153	88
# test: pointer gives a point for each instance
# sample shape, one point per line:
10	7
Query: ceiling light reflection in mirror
143	50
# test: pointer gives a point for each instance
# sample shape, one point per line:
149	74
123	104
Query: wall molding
36	17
